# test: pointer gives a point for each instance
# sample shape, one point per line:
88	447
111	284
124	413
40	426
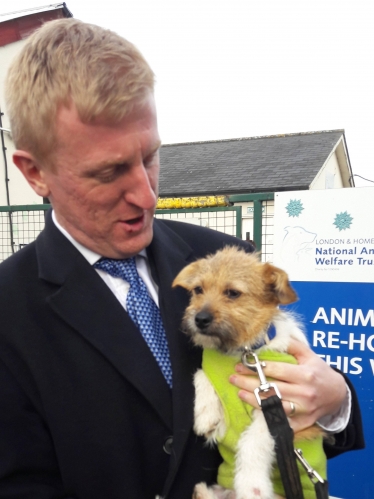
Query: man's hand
315	389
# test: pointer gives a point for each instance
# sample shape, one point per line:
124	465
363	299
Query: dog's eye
232	293
198	290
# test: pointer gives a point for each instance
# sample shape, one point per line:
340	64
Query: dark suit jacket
84	411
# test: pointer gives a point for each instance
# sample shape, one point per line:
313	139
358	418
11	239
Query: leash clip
312	474
257	366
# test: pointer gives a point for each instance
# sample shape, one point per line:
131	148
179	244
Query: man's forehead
105	143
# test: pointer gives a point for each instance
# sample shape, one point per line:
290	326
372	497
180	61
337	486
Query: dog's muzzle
203	320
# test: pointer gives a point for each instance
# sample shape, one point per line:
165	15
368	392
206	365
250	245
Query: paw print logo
343	221
294	208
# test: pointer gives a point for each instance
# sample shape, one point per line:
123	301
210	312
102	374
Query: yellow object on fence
193	202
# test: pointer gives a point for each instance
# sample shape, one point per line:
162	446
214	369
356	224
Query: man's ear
32	172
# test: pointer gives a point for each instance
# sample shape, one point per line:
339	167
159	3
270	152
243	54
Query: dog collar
271	332
269	335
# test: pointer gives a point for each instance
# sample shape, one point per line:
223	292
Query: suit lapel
170	254
87	305
100	319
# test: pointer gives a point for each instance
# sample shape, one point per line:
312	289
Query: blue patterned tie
142	309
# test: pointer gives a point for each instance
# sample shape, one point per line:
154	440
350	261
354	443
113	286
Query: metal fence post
257	223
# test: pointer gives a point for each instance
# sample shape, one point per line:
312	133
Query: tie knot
125	269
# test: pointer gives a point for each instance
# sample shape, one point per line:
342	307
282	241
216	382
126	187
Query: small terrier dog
234	304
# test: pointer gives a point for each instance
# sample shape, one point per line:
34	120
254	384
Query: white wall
329	177
247	218
19	190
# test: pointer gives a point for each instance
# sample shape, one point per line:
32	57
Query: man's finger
298	349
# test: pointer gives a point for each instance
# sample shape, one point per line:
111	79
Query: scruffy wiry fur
239	292
234	299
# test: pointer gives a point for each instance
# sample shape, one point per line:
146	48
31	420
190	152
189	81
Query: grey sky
243	68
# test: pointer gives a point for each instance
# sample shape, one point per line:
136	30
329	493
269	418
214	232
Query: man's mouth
133	221
134	224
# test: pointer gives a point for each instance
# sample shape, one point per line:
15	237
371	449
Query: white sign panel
325	235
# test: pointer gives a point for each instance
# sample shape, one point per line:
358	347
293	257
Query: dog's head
233	298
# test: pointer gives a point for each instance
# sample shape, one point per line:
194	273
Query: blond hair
67	61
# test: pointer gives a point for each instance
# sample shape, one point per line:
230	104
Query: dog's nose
203	319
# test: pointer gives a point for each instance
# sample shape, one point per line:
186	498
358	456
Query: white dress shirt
117	285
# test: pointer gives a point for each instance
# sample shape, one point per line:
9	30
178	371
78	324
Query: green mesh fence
20	225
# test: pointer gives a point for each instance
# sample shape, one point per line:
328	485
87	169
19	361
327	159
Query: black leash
282	433
321	486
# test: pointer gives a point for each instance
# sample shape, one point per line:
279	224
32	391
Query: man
86	412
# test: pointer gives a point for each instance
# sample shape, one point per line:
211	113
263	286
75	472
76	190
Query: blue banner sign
325	241
339	318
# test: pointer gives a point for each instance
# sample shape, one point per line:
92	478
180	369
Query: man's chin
133	245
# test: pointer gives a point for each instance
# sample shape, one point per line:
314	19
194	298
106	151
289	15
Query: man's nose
140	190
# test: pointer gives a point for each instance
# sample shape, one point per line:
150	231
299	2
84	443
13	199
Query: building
15	27
248	172
299	161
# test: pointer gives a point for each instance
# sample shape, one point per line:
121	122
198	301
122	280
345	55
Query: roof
32	10
254	164
15	26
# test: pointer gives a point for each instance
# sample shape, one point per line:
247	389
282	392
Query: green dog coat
238	416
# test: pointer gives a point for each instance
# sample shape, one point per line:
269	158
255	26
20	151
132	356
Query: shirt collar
88	254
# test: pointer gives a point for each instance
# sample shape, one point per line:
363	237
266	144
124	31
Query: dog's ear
186	276
278	285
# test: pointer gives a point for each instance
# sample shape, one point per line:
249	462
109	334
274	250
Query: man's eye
232	293
150	160
106	179
107	176
198	290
